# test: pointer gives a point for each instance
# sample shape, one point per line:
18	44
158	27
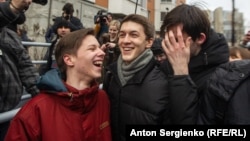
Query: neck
77	82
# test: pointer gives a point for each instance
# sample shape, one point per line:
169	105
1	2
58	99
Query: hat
62	23
156	46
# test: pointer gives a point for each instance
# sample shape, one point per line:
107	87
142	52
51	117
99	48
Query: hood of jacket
214	51
228	77
80	100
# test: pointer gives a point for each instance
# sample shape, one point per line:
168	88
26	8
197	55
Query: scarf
127	71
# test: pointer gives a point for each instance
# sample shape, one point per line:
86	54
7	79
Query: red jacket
64	116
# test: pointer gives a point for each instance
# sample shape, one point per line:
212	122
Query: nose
126	38
101	52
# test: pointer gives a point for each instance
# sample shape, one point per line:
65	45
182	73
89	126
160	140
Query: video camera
42	2
102	15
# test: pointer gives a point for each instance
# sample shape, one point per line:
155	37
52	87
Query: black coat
227	95
145	99
214	52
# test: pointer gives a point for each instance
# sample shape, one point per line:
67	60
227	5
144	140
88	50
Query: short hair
70	44
68	8
148	28
194	20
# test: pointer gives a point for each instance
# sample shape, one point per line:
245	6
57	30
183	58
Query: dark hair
156	46
68	8
70	44
147	27
194	20
62	23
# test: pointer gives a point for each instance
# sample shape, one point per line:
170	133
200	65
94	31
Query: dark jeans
3	129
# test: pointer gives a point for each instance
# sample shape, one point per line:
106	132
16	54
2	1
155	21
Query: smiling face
113	30
132	41
87	63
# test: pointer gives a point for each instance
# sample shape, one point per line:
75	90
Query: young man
70	107
62	28
194	50
137	88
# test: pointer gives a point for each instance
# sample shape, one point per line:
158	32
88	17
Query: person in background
102	20
137	88
109	43
19	72
70	107
18	21
50	35
246	41
68	10
239	53
158	51
62	28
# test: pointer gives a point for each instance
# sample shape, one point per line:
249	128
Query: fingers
188	42
180	38
103	47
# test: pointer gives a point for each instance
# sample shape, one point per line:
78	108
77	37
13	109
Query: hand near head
177	51
246	38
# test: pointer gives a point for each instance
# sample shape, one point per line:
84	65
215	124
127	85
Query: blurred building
222	22
39	18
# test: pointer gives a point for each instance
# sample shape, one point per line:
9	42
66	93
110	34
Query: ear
150	43
68	59
201	39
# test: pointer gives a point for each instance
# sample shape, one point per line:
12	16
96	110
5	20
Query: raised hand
177	50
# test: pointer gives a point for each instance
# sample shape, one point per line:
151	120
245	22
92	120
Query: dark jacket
21	72
8	18
227	95
17	70
145	99
214	52
63	113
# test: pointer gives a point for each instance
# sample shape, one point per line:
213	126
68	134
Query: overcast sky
242	6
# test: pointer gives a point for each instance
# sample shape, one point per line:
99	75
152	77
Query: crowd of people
187	76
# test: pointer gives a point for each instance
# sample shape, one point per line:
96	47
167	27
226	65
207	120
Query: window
142	3
166	0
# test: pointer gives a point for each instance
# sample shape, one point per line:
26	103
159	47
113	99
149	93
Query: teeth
127	49
98	63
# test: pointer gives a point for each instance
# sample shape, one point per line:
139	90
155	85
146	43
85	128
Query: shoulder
33	106
227	77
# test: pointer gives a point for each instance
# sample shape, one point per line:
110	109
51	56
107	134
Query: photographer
102	20
67	14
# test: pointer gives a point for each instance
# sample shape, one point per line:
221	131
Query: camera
102	15
42	2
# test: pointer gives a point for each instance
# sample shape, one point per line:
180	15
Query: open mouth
98	63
